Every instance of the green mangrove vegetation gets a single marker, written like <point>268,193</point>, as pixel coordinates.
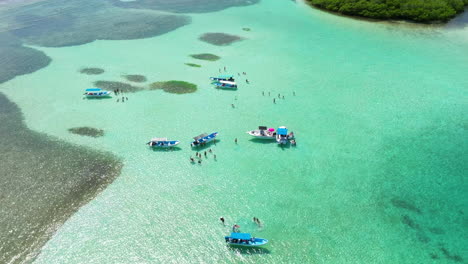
<point>111,86</point>
<point>220,39</point>
<point>205,56</point>
<point>92,71</point>
<point>193,65</point>
<point>176,87</point>
<point>415,10</point>
<point>87,131</point>
<point>135,78</point>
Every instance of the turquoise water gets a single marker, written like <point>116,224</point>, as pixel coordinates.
<point>378,175</point>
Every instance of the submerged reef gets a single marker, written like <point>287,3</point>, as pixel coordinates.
<point>193,65</point>
<point>135,78</point>
<point>87,131</point>
<point>205,56</point>
<point>59,23</point>
<point>91,71</point>
<point>220,39</point>
<point>44,181</point>
<point>176,87</point>
<point>17,59</point>
<point>184,6</point>
<point>111,86</point>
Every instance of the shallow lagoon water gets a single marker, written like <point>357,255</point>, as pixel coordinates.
<point>379,115</point>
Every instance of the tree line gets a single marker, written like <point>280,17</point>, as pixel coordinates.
<point>415,10</point>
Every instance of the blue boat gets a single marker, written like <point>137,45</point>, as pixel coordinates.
<point>223,78</point>
<point>96,92</point>
<point>282,136</point>
<point>245,240</point>
<point>225,84</point>
<point>162,143</point>
<point>202,139</point>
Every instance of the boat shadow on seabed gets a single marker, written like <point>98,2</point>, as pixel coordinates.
<point>166,149</point>
<point>248,251</point>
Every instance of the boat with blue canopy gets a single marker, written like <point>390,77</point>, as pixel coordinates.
<point>96,92</point>
<point>245,240</point>
<point>204,138</point>
<point>162,143</point>
<point>223,78</point>
<point>225,84</point>
<point>282,136</point>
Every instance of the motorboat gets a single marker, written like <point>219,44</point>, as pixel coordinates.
<point>245,240</point>
<point>223,78</point>
<point>204,138</point>
<point>162,143</point>
<point>282,136</point>
<point>96,92</point>
<point>225,84</point>
<point>263,133</point>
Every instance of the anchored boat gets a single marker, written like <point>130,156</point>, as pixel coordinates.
<point>223,78</point>
<point>282,136</point>
<point>225,84</point>
<point>204,138</point>
<point>263,132</point>
<point>245,240</point>
<point>96,92</point>
<point>162,143</point>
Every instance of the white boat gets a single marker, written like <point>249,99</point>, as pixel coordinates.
<point>162,143</point>
<point>223,78</point>
<point>96,92</point>
<point>263,133</point>
<point>245,240</point>
<point>282,136</point>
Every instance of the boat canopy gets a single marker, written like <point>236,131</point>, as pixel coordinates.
<point>226,76</point>
<point>159,139</point>
<point>228,82</point>
<point>93,90</point>
<point>282,131</point>
<point>200,136</point>
<point>241,236</point>
<point>262,127</point>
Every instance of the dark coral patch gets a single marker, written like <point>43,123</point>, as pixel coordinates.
<point>193,65</point>
<point>184,6</point>
<point>44,181</point>
<point>205,56</point>
<point>17,59</point>
<point>405,205</point>
<point>409,222</point>
<point>177,87</point>
<point>135,78</point>
<point>92,71</point>
<point>123,87</point>
<point>87,131</point>
<point>220,39</point>
<point>79,23</point>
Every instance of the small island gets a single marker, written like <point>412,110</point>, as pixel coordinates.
<point>422,11</point>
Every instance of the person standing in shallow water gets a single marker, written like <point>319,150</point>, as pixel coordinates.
<point>222,220</point>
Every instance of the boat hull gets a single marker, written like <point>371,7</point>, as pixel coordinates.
<point>258,135</point>
<point>257,242</point>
